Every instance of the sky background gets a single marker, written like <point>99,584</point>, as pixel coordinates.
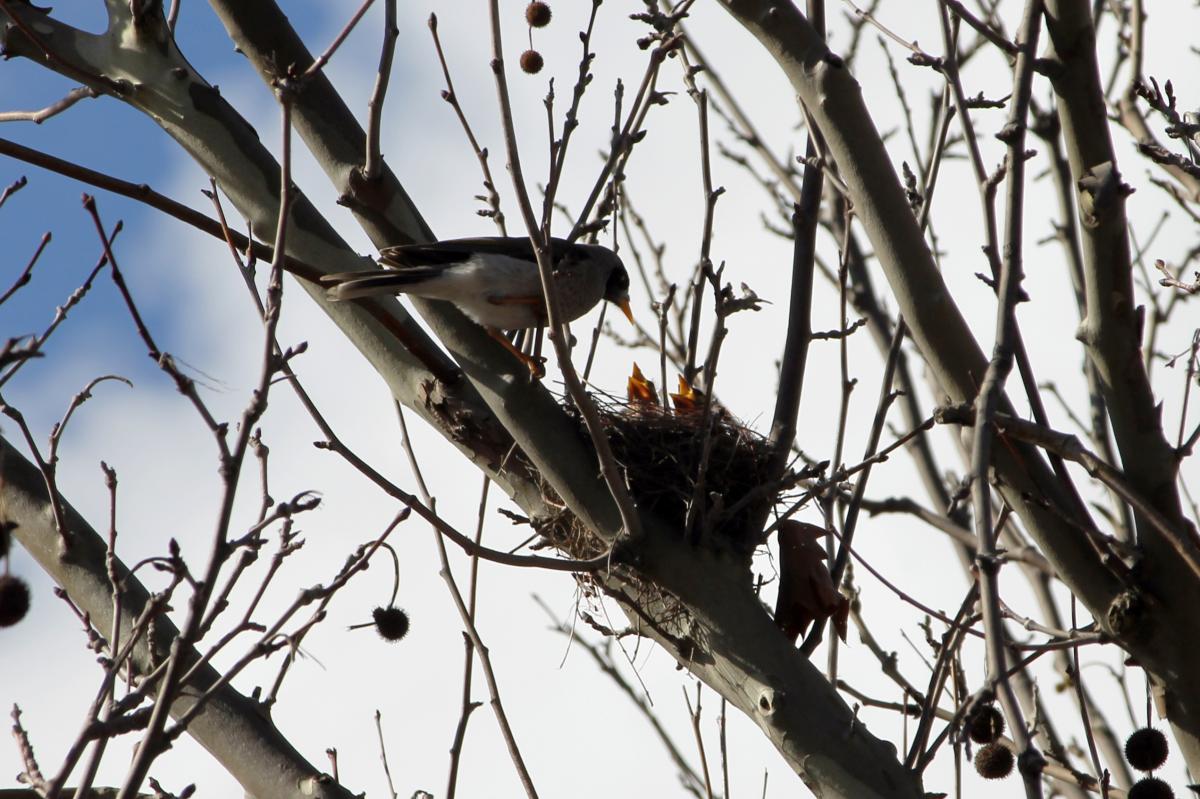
<point>579,735</point>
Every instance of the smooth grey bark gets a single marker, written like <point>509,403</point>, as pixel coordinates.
<point>726,639</point>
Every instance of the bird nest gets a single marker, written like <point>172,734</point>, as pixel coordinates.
<point>661,452</point>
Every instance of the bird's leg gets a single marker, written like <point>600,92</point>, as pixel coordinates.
<point>537,342</point>
<point>520,338</point>
<point>536,370</point>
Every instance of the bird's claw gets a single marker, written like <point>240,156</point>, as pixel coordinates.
<point>537,368</point>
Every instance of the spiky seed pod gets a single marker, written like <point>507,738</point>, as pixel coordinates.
<point>532,62</point>
<point>986,724</point>
<point>6,528</point>
<point>994,762</point>
<point>537,14</point>
<point>1151,788</point>
<point>391,623</point>
<point>1146,749</point>
<point>14,600</point>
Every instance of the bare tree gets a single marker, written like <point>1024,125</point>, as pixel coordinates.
<point>658,503</point>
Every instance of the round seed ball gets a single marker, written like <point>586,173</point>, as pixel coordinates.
<point>994,762</point>
<point>986,724</point>
<point>14,600</point>
<point>537,14</point>
<point>1151,788</point>
<point>532,62</point>
<point>391,623</point>
<point>1146,749</point>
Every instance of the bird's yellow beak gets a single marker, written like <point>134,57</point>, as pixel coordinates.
<point>623,304</point>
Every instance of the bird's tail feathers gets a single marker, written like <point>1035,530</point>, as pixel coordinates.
<point>352,285</point>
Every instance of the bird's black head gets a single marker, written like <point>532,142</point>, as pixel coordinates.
<point>602,261</point>
<point>616,290</point>
<point>617,286</point>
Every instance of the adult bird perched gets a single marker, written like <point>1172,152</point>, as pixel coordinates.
<point>494,281</point>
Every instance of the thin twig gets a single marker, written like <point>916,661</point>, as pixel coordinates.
<point>624,140</point>
<point>485,662</point>
<point>1077,680</point>
<point>982,28</point>
<point>13,188</point>
<point>373,163</point>
<point>491,197</point>
<point>468,705</point>
<point>387,772</point>
<point>694,713</point>
<point>466,613</point>
<point>27,272</point>
<point>144,194</point>
<point>917,755</point>
<point>323,59</point>
<point>693,782</point>
<point>41,115</point>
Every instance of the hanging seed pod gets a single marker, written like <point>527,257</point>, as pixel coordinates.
<point>986,724</point>
<point>14,600</point>
<point>994,762</point>
<point>1150,788</point>
<point>532,62</point>
<point>537,14</point>
<point>391,623</point>
<point>1146,749</point>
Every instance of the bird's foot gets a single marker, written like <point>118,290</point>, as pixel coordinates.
<point>536,366</point>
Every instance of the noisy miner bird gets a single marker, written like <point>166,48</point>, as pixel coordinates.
<point>494,281</point>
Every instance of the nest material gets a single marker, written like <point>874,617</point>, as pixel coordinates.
<point>661,453</point>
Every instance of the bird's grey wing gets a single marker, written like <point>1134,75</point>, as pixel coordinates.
<point>350,285</point>
<point>411,275</point>
<point>453,251</point>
